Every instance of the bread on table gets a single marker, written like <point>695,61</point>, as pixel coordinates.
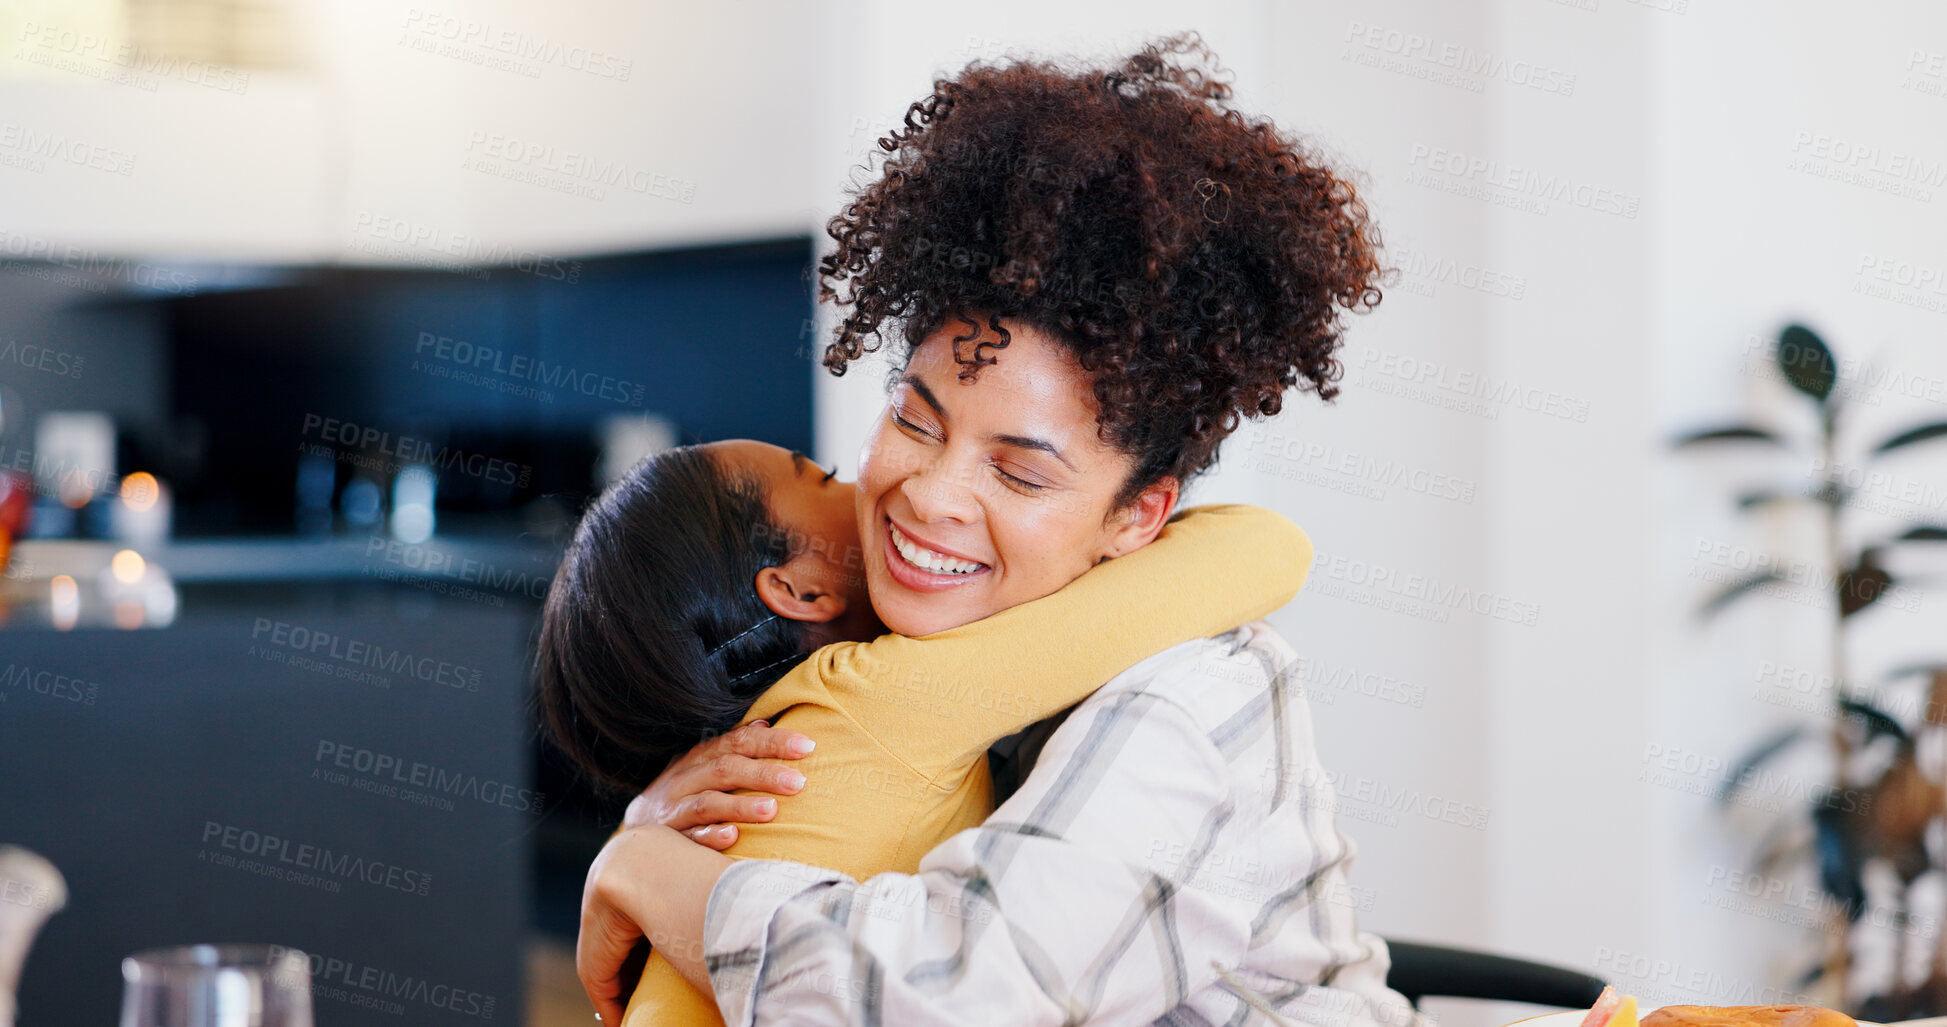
<point>1747,1016</point>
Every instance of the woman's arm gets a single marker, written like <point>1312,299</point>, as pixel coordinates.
<point>1212,568</point>
<point>1024,921</point>
<point>648,882</point>
<point>1151,859</point>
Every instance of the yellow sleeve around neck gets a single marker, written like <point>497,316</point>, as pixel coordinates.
<point>1211,568</point>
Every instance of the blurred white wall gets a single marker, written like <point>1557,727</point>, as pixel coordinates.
<point>416,134</point>
<point>1602,210</point>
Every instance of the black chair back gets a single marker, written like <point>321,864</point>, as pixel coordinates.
<point>1422,970</point>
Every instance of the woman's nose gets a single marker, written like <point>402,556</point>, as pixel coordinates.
<point>941,490</point>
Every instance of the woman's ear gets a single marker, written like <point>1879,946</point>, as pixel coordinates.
<point>792,595</point>
<point>1142,520</point>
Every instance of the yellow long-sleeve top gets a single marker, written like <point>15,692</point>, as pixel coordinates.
<point>903,724</point>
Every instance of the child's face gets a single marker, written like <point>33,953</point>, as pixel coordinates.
<point>816,511</point>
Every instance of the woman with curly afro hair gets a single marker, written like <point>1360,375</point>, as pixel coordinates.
<point>1085,278</point>
<point>1194,261</point>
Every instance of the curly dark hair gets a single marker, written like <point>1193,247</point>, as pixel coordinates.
<point>1193,260</point>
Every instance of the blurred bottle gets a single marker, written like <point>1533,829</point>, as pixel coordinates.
<point>16,493</point>
<point>140,511</point>
<point>16,503</point>
<point>31,890</point>
<point>74,464</point>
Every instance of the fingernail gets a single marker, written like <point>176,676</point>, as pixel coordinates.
<point>801,746</point>
<point>721,830</point>
<point>791,779</point>
<point>763,723</point>
<point>766,805</point>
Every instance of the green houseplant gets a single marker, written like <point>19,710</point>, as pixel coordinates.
<point>1888,810</point>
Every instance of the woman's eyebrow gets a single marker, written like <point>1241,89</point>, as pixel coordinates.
<point>798,460</point>
<point>924,393</point>
<point>1028,442</point>
<point>1018,441</point>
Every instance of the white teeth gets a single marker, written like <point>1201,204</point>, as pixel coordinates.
<point>926,559</point>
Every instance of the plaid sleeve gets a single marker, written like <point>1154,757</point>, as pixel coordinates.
<point>736,926</point>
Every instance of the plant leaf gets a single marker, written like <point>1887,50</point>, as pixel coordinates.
<point>1839,862</point>
<point>1756,758</point>
<point>1913,435</point>
<point>1829,494</point>
<point>1876,721</point>
<point>1863,584</point>
<point>1910,669</point>
<point>1716,603</point>
<point>1753,499</point>
<point>1732,433</point>
<point>1806,362</point>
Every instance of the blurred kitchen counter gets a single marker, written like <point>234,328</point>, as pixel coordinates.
<point>287,558</point>
<point>77,583</point>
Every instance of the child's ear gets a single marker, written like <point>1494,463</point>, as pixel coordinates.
<point>792,595</point>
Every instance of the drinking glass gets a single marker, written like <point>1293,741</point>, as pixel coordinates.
<point>217,986</point>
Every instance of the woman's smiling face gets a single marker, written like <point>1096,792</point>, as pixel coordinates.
<point>977,496</point>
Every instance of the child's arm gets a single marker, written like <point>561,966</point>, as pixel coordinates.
<point>663,998</point>
<point>1212,568</point>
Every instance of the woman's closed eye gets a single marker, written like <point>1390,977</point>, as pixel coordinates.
<point>1030,487</point>
<point>910,427</point>
<point>1014,481</point>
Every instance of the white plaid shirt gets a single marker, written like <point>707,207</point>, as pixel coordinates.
<point>1172,859</point>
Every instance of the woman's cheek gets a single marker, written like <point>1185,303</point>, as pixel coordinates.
<point>869,456</point>
<point>886,459</point>
<point>1026,551</point>
<point>1050,537</point>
